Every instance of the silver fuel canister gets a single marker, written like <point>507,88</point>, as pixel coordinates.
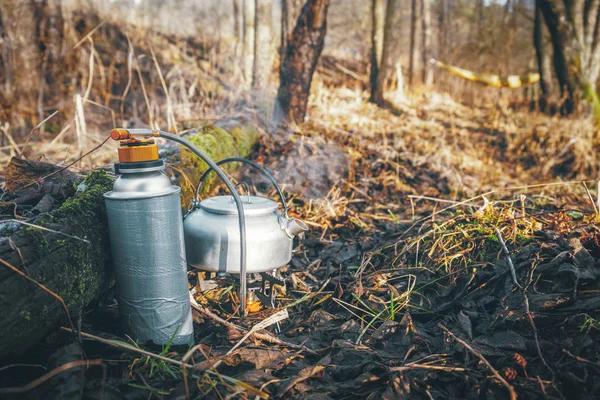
<point>148,252</point>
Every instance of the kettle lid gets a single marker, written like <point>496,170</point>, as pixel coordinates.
<point>253,205</point>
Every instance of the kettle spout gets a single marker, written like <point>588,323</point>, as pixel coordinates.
<point>295,227</point>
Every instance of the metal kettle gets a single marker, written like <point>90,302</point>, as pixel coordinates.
<point>212,238</point>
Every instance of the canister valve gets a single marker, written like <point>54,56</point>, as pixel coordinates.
<point>134,149</point>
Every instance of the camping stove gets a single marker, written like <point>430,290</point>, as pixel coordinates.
<point>213,241</point>
<point>233,234</point>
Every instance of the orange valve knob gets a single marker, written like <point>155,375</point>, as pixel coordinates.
<point>119,134</point>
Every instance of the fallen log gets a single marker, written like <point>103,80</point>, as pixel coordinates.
<point>67,249</point>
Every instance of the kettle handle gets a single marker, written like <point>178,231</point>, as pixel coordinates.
<point>247,162</point>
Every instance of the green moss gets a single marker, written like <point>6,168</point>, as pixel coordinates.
<point>86,214</point>
<point>73,268</point>
<point>217,143</point>
<point>36,237</point>
<point>591,97</point>
<point>25,315</point>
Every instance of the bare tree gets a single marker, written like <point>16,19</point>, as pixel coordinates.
<point>413,36</point>
<point>285,31</point>
<point>426,42</point>
<point>300,60</point>
<point>442,29</point>
<point>574,27</point>
<point>238,28</point>
<point>539,48</point>
<point>262,43</point>
<point>377,33</point>
<point>289,14</point>
<point>386,64</point>
<point>23,61</point>
<point>248,53</point>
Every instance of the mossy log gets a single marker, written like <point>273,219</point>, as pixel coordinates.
<point>218,142</point>
<point>68,249</point>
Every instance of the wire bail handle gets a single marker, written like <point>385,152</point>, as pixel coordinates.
<point>195,203</point>
<point>247,191</point>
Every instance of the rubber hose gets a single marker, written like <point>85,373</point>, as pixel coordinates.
<point>238,203</point>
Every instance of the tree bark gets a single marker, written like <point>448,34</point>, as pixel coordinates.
<point>413,36</point>
<point>285,32</point>
<point>248,53</point>
<point>442,30</point>
<point>377,34</point>
<point>426,43</point>
<point>574,27</point>
<point>238,28</point>
<point>302,53</point>
<point>73,259</point>
<point>262,44</point>
<point>24,66</point>
<point>290,10</point>
<point>539,49</point>
<point>237,21</point>
<point>387,64</point>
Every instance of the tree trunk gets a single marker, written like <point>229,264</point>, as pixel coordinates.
<point>73,259</point>
<point>426,43</point>
<point>300,61</point>
<point>285,32</point>
<point>237,21</point>
<point>413,36</point>
<point>262,44</point>
<point>238,29</point>
<point>442,30</point>
<point>574,27</point>
<point>24,59</point>
<point>248,39</point>
<point>377,33</point>
<point>290,10</point>
<point>508,9</point>
<point>386,64</point>
<point>539,50</point>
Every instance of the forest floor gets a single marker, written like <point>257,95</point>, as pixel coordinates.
<point>453,253</point>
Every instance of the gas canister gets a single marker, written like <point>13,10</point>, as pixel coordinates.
<point>148,250</point>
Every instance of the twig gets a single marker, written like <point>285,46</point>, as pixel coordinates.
<point>535,335</point>
<point>129,76</point>
<point>261,336</point>
<point>590,197</point>
<point>581,359</point>
<point>54,372</point>
<point>513,273</point>
<point>21,151</point>
<point>66,166</point>
<point>425,366</point>
<point>90,33</point>
<point>47,229</point>
<point>44,288</point>
<point>184,370</point>
<point>273,319</point>
<point>509,387</point>
<point>134,349</point>
<point>433,199</point>
<point>21,365</point>
<point>171,122</point>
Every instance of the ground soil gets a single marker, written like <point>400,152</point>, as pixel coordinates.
<point>402,288</point>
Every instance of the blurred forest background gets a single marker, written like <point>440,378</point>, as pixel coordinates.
<point>84,64</point>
